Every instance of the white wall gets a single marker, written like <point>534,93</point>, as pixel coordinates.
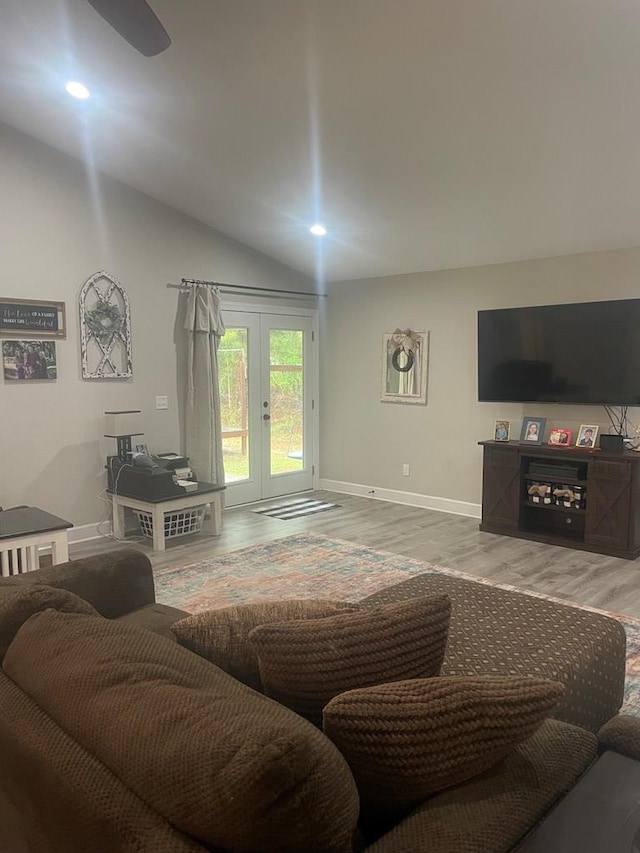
<point>365,442</point>
<point>59,226</point>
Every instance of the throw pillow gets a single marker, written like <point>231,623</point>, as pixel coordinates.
<point>220,762</point>
<point>20,601</point>
<point>221,636</point>
<point>305,664</point>
<point>407,740</point>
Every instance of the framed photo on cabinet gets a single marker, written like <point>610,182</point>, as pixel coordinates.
<point>532,430</point>
<point>502,431</point>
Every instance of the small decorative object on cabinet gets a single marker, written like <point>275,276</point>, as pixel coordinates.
<point>533,430</point>
<point>502,431</point>
<point>405,356</point>
<point>587,435</point>
<point>105,329</point>
<point>594,503</point>
<point>559,436</point>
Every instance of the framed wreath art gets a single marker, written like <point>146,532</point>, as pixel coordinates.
<point>104,321</point>
<point>105,329</point>
<point>404,366</point>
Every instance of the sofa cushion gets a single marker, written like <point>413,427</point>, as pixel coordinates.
<point>56,797</point>
<point>220,762</point>
<point>408,739</point>
<point>18,602</point>
<point>304,664</point>
<point>622,734</point>
<point>222,636</point>
<point>493,811</point>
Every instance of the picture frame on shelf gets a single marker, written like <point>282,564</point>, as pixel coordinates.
<point>587,435</point>
<point>532,430</point>
<point>502,431</point>
<point>560,437</point>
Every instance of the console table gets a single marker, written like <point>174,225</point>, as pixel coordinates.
<point>608,522</point>
<point>206,493</point>
<point>23,531</point>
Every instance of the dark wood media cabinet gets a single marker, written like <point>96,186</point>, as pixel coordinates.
<point>608,522</point>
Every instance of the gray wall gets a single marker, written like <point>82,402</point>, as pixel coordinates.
<point>365,442</point>
<point>59,226</point>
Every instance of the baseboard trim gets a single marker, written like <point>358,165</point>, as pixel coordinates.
<point>85,532</point>
<point>407,498</point>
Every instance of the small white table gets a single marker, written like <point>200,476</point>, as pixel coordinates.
<point>207,493</point>
<point>23,531</point>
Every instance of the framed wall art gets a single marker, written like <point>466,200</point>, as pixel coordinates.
<point>405,356</point>
<point>36,317</point>
<point>29,360</point>
<point>105,329</point>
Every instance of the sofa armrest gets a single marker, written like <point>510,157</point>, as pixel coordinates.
<point>621,734</point>
<point>115,582</point>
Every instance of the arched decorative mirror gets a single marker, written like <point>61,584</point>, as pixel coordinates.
<point>404,366</point>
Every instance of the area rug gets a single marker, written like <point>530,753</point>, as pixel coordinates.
<point>300,508</point>
<point>311,566</point>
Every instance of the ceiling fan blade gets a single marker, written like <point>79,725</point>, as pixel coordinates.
<point>136,22</point>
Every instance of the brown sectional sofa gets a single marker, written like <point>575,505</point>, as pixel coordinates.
<point>116,739</point>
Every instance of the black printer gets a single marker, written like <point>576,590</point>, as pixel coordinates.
<point>144,477</point>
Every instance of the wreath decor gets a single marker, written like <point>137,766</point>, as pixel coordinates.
<point>104,321</point>
<point>395,360</point>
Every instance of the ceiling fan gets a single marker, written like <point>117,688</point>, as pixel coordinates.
<point>136,22</point>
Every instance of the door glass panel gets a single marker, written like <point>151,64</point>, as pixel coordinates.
<point>287,396</point>
<point>234,404</point>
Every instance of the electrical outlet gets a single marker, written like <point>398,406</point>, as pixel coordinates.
<point>405,470</point>
<point>162,402</point>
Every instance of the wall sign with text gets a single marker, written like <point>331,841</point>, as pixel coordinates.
<point>20,316</point>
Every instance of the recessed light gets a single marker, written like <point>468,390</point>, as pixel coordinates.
<point>77,90</point>
<point>318,230</point>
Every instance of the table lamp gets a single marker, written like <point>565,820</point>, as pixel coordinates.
<point>122,426</point>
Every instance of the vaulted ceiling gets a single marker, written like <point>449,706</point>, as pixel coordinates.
<point>424,134</point>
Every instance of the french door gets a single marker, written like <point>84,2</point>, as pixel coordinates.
<point>266,366</point>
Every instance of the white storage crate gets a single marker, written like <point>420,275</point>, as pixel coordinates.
<point>177,523</point>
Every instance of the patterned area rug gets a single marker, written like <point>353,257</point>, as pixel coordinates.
<point>311,566</point>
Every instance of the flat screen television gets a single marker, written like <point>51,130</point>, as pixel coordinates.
<point>585,352</point>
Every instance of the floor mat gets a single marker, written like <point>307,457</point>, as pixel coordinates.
<point>298,508</point>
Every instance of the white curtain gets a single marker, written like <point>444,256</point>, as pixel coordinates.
<point>203,431</point>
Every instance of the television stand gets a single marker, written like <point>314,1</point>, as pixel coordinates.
<point>604,519</point>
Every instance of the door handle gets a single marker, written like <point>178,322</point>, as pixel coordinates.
<point>266,417</point>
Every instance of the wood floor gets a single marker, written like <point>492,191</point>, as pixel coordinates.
<point>452,541</point>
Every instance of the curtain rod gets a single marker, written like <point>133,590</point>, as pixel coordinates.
<point>189,282</point>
